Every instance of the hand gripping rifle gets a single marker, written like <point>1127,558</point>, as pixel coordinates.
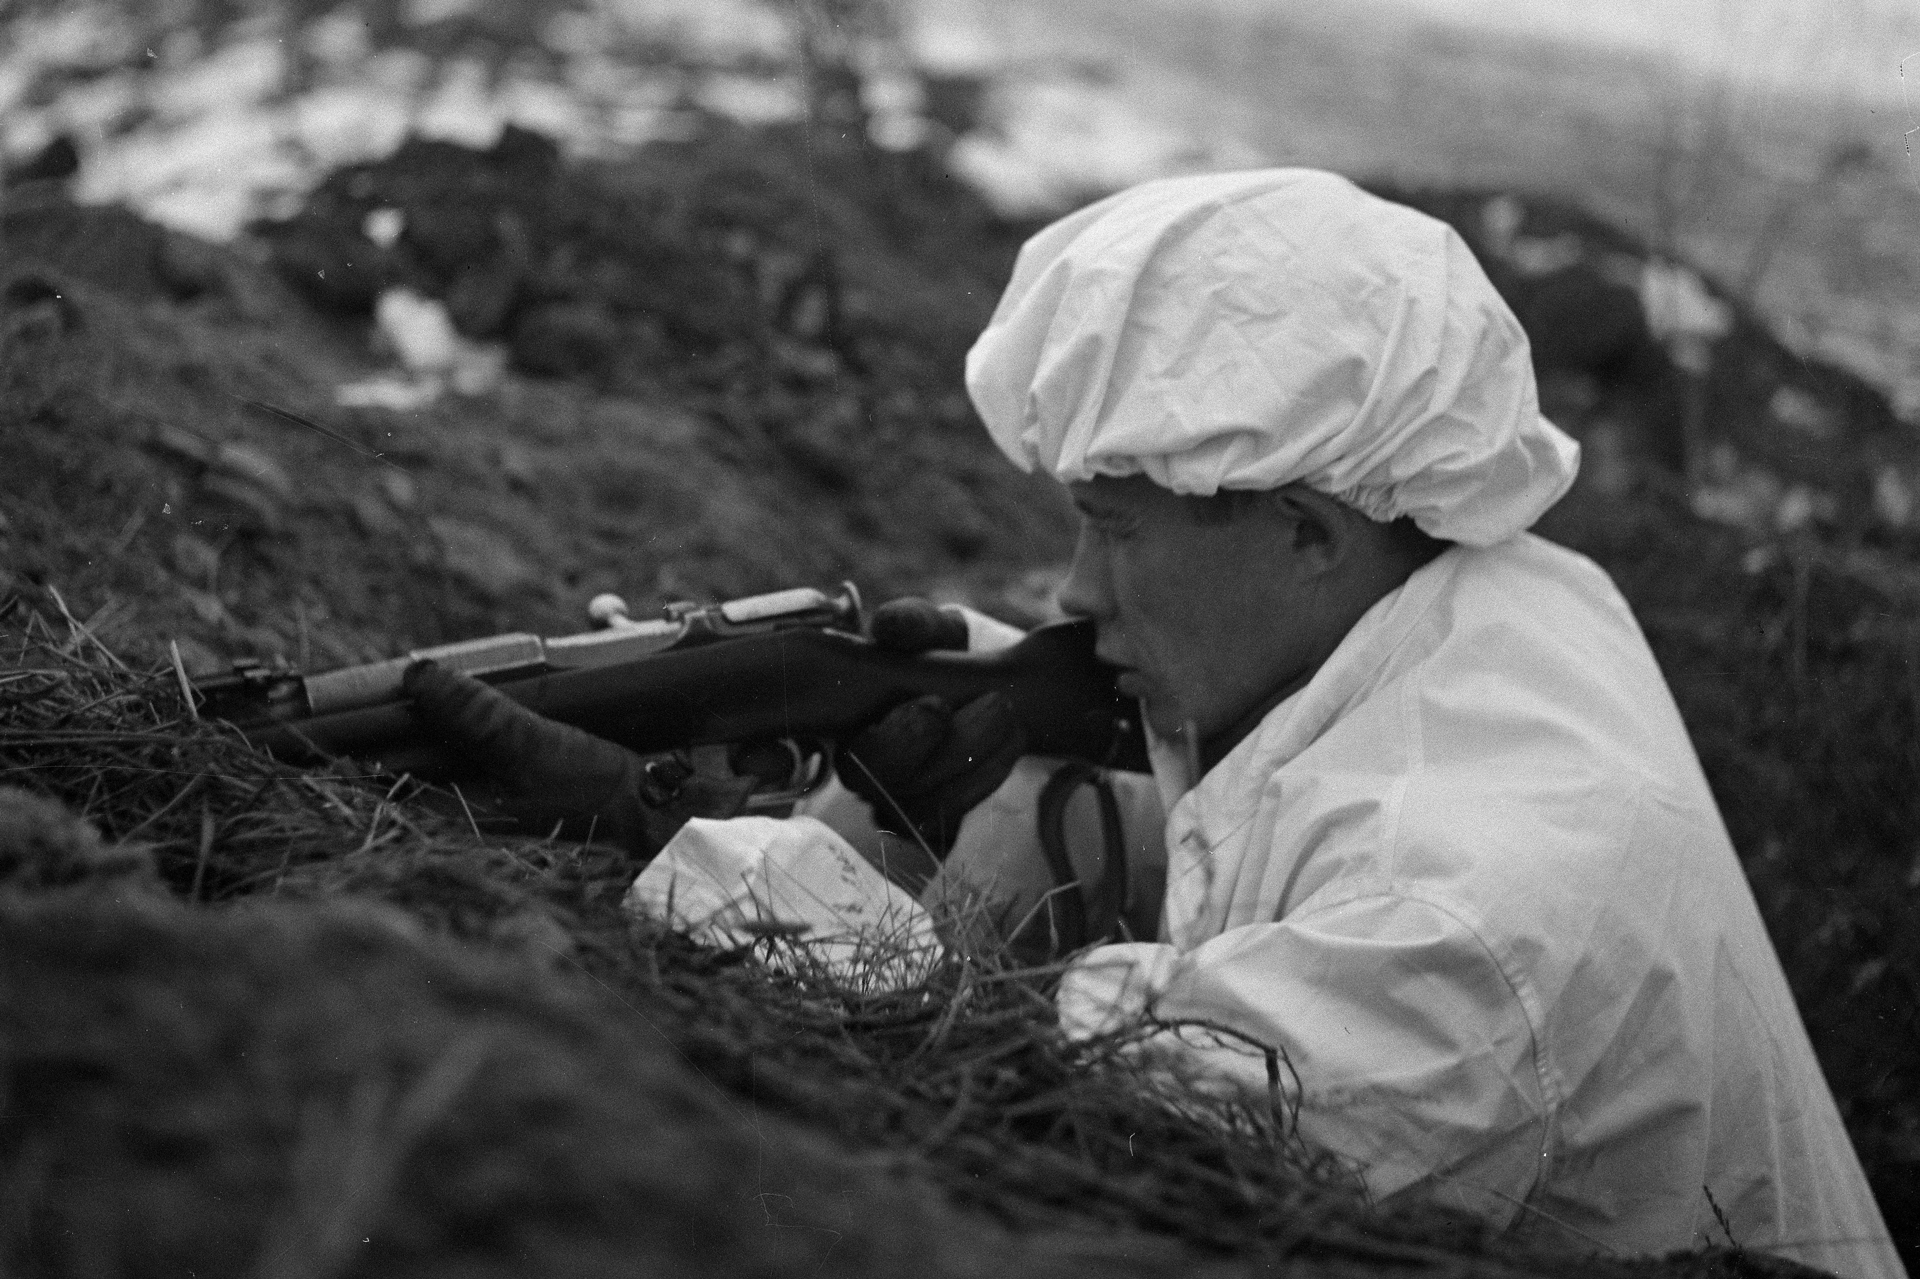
<point>774,680</point>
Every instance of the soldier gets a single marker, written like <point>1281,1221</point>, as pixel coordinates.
<point>1433,827</point>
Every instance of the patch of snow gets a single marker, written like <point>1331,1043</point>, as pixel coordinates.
<point>1050,143</point>
<point>235,75</point>
<point>205,176</point>
<point>418,331</point>
<point>460,108</point>
<point>402,70</point>
<point>1801,411</point>
<point>754,99</point>
<point>211,211</point>
<point>91,110</point>
<point>547,108</point>
<point>424,13</point>
<point>342,124</point>
<point>1679,305</point>
<point>723,30</point>
<point>383,226</point>
<point>952,44</point>
<point>433,356</point>
<point>337,38</point>
<point>397,393</point>
<point>1894,499</point>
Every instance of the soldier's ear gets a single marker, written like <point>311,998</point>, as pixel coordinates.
<point>1322,531</point>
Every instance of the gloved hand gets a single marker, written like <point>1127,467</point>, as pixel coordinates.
<point>924,764</point>
<point>546,774</point>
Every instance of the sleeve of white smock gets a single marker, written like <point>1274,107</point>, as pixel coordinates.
<point>1408,1050</point>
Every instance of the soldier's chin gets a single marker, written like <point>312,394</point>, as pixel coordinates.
<point>1166,719</point>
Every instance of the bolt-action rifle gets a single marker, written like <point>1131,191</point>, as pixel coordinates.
<point>774,679</point>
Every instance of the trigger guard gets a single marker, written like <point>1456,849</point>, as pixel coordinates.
<point>810,768</point>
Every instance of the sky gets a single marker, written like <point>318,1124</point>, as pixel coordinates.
<point>1853,44</point>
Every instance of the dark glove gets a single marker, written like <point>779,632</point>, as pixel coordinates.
<point>914,625</point>
<point>546,774</point>
<point>924,765</point>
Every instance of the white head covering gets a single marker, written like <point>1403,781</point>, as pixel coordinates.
<point>1249,330</point>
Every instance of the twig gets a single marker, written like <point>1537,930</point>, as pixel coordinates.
<point>80,629</point>
<point>186,685</point>
<point>472,824</point>
<point>1719,1215</point>
<point>128,531</point>
<point>206,848</point>
<point>288,415</point>
<point>192,785</point>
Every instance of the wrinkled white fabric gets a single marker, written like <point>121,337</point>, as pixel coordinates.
<point>794,884</point>
<point>1249,330</point>
<point>1471,880</point>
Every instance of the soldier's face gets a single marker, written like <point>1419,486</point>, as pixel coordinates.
<point>1208,617</point>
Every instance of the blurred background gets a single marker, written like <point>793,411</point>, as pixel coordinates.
<point>1766,141</point>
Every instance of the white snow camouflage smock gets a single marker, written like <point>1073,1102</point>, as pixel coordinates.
<point>1472,881</point>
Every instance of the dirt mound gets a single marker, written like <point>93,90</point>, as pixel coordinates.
<point>321,1091</point>
<point>815,299</point>
<point>784,410</point>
